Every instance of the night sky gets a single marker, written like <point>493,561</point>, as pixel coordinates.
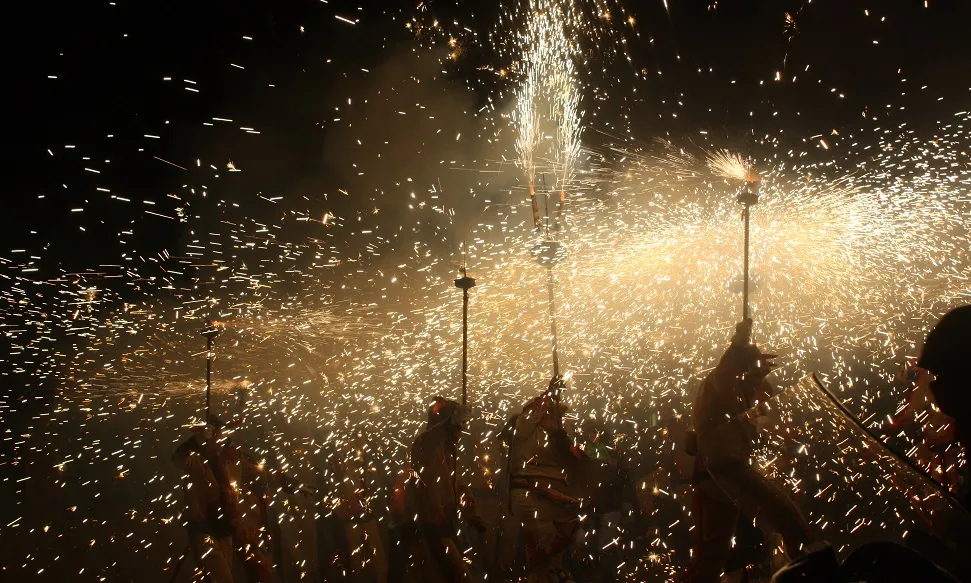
<point>109,60</point>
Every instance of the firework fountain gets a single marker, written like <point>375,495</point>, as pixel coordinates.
<point>548,101</point>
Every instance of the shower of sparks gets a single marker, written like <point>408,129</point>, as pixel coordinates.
<point>337,330</point>
<point>547,102</point>
<point>727,164</point>
<point>791,27</point>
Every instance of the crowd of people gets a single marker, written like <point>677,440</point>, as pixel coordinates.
<point>545,506</point>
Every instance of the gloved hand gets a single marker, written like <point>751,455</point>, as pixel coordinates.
<point>743,333</point>
<point>750,363</point>
<point>762,364</point>
<point>550,395</point>
<point>478,523</point>
<point>747,359</point>
<point>196,442</point>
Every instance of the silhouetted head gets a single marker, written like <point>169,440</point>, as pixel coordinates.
<point>448,414</point>
<point>947,354</point>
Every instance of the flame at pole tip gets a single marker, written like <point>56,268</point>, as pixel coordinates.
<point>728,164</point>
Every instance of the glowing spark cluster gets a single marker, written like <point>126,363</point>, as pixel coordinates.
<point>547,102</point>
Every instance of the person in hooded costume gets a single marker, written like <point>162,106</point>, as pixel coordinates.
<point>438,499</point>
<point>607,508</point>
<point>402,528</point>
<point>725,481</point>
<point>541,497</point>
<point>944,370</point>
<point>206,514</point>
<point>363,554</point>
<point>947,356</point>
<point>225,493</point>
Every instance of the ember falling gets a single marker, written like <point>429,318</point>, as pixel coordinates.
<point>314,184</point>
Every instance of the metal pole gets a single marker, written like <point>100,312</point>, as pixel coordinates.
<point>465,283</point>
<point>210,332</point>
<point>465,346</point>
<point>748,196</point>
<point>556,360</point>
<point>548,255</point>
<point>873,436</point>
<point>745,283</point>
<point>208,376</point>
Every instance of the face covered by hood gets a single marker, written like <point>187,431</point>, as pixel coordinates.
<point>947,354</point>
<point>215,433</point>
<point>451,415</point>
<point>746,360</point>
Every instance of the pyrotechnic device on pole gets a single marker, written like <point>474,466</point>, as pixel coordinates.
<point>210,332</point>
<point>465,283</point>
<point>748,196</point>
<point>549,253</point>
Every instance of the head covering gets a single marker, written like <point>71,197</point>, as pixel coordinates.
<point>216,425</point>
<point>443,410</point>
<point>742,354</point>
<point>947,354</point>
<point>743,332</point>
<point>216,421</point>
<point>947,350</point>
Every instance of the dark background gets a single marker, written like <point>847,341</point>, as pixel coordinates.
<point>110,60</point>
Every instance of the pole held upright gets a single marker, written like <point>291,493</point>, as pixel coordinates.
<point>210,332</point>
<point>549,253</point>
<point>747,213</point>
<point>748,196</point>
<point>556,359</point>
<point>465,283</point>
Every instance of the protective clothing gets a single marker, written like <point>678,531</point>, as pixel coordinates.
<point>541,497</point>
<point>363,553</point>
<point>436,496</point>
<point>246,499</point>
<point>214,555</point>
<point>947,354</point>
<point>725,482</point>
<point>402,530</point>
<point>489,503</point>
<point>225,495</point>
<point>207,521</point>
